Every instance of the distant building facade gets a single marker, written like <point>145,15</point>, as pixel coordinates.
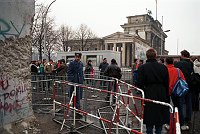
<point>148,29</point>
<point>140,33</point>
<point>131,47</point>
<point>84,45</point>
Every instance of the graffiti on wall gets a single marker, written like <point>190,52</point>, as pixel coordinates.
<point>5,29</point>
<point>14,103</point>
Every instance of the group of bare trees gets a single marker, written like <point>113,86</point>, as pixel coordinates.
<point>47,39</point>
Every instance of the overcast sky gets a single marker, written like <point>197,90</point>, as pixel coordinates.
<point>104,17</point>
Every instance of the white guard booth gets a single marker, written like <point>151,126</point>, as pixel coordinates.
<point>95,56</point>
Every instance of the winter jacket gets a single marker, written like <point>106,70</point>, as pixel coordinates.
<point>113,70</point>
<point>89,70</point>
<point>49,68</point>
<point>75,72</point>
<point>153,79</point>
<point>103,66</point>
<point>75,75</point>
<point>34,69</point>
<point>173,76</point>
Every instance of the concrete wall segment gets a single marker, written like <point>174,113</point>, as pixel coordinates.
<point>16,18</point>
<point>15,83</point>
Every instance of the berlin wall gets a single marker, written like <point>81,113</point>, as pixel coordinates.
<point>15,54</point>
<point>16,17</point>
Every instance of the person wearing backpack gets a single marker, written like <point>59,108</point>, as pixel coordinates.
<point>177,101</point>
<point>186,66</point>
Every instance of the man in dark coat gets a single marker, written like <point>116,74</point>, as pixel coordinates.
<point>186,66</point>
<point>103,66</point>
<point>154,80</point>
<point>75,75</point>
<point>113,70</point>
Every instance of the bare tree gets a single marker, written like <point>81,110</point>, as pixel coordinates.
<point>43,25</point>
<point>51,42</point>
<point>84,34</point>
<point>65,34</point>
<point>38,28</point>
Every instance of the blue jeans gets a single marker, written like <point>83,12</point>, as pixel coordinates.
<point>178,102</point>
<point>150,129</point>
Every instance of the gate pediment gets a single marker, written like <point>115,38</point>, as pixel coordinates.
<point>118,35</point>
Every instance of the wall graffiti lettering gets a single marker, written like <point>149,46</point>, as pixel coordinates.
<point>5,29</point>
<point>14,103</point>
<point>4,84</point>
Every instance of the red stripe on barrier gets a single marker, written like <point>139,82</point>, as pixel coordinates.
<point>84,86</point>
<point>142,110</point>
<point>176,120</point>
<point>74,101</point>
<point>104,91</point>
<point>64,105</point>
<point>136,132</point>
<point>105,120</point>
<point>171,124</point>
<point>176,117</point>
<point>117,117</point>
<point>128,100</point>
<point>67,110</point>
<point>123,100</point>
<point>136,110</point>
<point>83,112</point>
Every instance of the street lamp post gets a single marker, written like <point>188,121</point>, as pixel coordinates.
<point>156,9</point>
<point>161,45</point>
<point>45,28</point>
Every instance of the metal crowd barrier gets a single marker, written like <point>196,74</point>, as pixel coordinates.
<point>126,74</point>
<point>121,100</point>
<point>51,95</point>
<point>42,92</point>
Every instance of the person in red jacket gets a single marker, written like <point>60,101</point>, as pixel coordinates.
<point>177,101</point>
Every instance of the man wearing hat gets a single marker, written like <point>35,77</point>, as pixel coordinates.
<point>75,75</point>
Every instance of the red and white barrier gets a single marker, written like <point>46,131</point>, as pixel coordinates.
<point>119,100</point>
<point>177,128</point>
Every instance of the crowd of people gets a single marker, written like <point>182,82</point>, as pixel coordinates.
<point>157,78</point>
<point>48,68</point>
